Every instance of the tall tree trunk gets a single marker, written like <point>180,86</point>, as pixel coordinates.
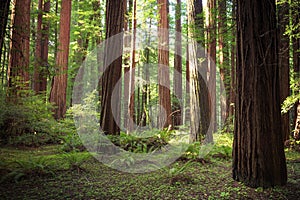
<point>146,89</point>
<point>18,70</point>
<point>41,49</point>
<point>112,74</point>
<point>223,61</point>
<point>233,63</point>
<point>258,153</point>
<point>199,110</point>
<point>126,57</point>
<point>211,51</point>
<point>131,116</point>
<point>165,118</point>
<point>178,68</point>
<point>284,65</point>
<point>59,82</point>
<point>4,11</point>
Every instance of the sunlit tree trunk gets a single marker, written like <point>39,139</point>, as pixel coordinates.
<point>165,118</point>
<point>18,70</point>
<point>41,49</point>
<point>110,122</point>
<point>223,61</point>
<point>130,110</point>
<point>59,82</point>
<point>199,110</point>
<point>258,152</point>
<point>211,51</point>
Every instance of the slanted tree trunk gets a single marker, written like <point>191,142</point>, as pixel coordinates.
<point>4,11</point>
<point>211,51</point>
<point>284,65</point>
<point>41,49</point>
<point>58,93</point>
<point>178,68</point>
<point>165,118</point>
<point>258,152</point>
<point>112,74</point>
<point>18,69</point>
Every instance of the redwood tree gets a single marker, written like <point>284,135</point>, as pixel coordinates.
<point>165,118</point>
<point>258,153</point>
<point>59,82</point>
<point>41,49</point>
<point>199,100</point>
<point>211,51</point>
<point>112,73</point>
<point>178,67</point>
<point>284,65</point>
<point>18,69</point>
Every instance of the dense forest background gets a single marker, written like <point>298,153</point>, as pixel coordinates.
<point>154,69</point>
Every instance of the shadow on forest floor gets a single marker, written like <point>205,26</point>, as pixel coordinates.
<point>47,173</point>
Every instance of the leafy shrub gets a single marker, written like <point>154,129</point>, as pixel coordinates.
<point>28,121</point>
<point>141,145</point>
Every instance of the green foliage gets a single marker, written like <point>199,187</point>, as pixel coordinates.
<point>221,148</point>
<point>75,160</point>
<point>140,144</point>
<point>27,168</point>
<point>28,121</point>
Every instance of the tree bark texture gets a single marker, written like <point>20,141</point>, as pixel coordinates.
<point>18,70</point>
<point>112,74</point>
<point>284,65</point>
<point>223,61</point>
<point>211,51</point>
<point>258,152</point>
<point>41,49</point>
<point>130,109</point>
<point>58,91</point>
<point>165,118</point>
<point>177,68</point>
<point>199,99</point>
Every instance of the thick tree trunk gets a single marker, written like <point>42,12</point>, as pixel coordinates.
<point>211,51</point>
<point>18,70</point>
<point>199,103</point>
<point>110,113</point>
<point>178,68</point>
<point>284,65</point>
<point>165,118</point>
<point>41,49</point>
<point>4,11</point>
<point>58,93</point>
<point>258,154</point>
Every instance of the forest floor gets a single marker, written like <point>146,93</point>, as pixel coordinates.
<point>47,173</point>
